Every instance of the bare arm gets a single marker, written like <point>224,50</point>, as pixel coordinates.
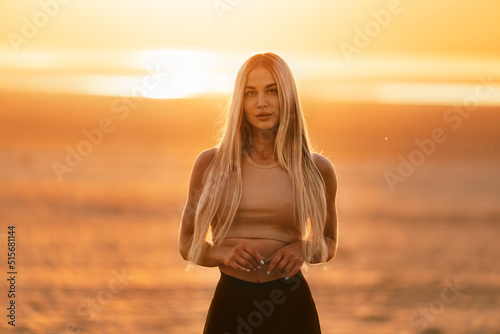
<point>195,188</point>
<point>331,228</point>
<point>242,257</point>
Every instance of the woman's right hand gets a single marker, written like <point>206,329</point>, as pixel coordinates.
<point>242,257</point>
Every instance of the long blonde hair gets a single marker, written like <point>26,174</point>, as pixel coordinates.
<point>294,156</point>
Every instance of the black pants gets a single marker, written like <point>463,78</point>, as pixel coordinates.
<point>279,306</point>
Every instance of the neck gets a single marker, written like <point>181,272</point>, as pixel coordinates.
<point>262,147</point>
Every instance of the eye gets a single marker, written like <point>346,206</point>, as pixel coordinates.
<point>250,93</point>
<point>272,91</point>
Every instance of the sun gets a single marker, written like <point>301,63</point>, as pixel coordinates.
<point>190,72</point>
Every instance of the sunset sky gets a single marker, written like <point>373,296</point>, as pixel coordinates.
<point>365,39</point>
<point>425,26</point>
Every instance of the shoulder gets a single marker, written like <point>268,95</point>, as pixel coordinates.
<point>206,156</point>
<point>323,164</point>
<point>325,167</point>
<point>203,160</point>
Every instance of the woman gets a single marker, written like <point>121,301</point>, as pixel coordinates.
<point>261,204</point>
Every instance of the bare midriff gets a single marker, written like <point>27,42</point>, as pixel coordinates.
<point>266,248</point>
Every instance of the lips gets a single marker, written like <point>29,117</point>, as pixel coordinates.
<point>263,114</point>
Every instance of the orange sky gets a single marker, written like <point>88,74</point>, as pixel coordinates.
<point>438,49</point>
<point>468,28</point>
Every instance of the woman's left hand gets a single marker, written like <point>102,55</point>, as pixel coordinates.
<point>287,260</point>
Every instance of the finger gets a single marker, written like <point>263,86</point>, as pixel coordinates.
<point>240,268</point>
<point>292,273</point>
<point>243,262</point>
<point>290,266</point>
<point>280,267</point>
<point>238,264</point>
<point>257,259</point>
<point>275,262</point>
<point>251,259</point>
<point>246,259</point>
<point>269,259</point>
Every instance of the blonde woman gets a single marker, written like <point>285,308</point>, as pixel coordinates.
<point>260,205</point>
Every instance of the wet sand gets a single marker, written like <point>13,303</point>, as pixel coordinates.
<point>97,252</point>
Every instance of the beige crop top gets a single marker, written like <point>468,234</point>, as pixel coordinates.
<point>265,209</point>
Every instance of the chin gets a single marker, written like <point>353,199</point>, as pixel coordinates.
<point>265,126</point>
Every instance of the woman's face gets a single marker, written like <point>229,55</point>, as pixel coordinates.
<point>261,103</point>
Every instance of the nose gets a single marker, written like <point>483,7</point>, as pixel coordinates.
<point>262,102</point>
